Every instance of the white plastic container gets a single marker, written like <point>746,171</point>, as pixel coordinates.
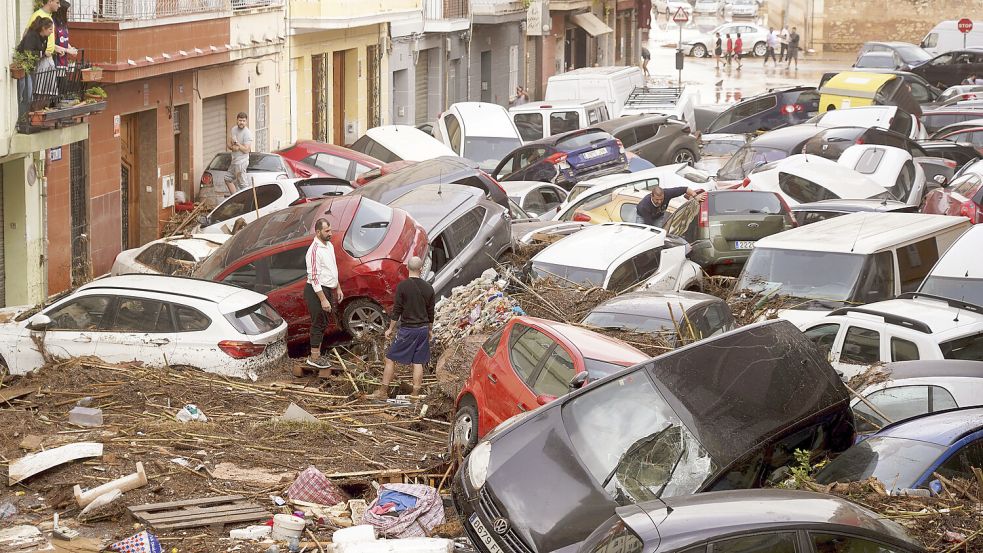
<point>353,534</point>
<point>405,545</point>
<point>287,526</point>
<point>256,532</point>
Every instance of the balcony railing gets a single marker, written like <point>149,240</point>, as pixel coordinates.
<point>143,10</point>
<point>445,9</point>
<point>55,98</point>
<point>496,7</point>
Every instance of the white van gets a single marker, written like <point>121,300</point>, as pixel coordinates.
<point>959,274</point>
<point>479,131</point>
<point>537,120</point>
<point>853,259</point>
<point>611,84</point>
<point>945,37</point>
<point>390,143</point>
<point>679,103</point>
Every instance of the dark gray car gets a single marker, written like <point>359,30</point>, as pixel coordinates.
<point>662,313</point>
<point>722,413</point>
<point>656,138</point>
<point>468,232</point>
<point>773,521</point>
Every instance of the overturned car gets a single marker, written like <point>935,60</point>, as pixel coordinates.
<point>724,413</point>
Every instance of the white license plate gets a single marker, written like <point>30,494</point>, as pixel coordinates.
<point>743,244</point>
<point>484,535</point>
<point>594,153</point>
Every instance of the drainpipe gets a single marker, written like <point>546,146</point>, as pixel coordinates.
<point>43,183</point>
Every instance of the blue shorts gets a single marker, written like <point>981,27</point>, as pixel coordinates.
<point>411,346</point>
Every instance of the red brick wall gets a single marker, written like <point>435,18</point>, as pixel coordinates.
<point>105,43</point>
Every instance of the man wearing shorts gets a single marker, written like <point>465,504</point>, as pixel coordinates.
<point>240,144</point>
<point>413,309</point>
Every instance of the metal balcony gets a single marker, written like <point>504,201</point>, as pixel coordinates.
<point>55,98</point>
<point>445,9</point>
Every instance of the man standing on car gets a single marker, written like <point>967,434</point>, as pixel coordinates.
<point>240,143</point>
<point>652,209</point>
<point>413,308</point>
<point>322,293</point>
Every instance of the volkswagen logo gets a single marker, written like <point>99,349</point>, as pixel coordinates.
<point>500,526</point>
<point>752,225</point>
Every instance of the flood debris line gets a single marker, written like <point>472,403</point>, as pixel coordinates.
<point>477,307</point>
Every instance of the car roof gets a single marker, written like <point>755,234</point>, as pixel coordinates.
<point>936,314</point>
<point>942,428</point>
<point>655,304</point>
<point>595,71</point>
<point>557,138</point>
<point>836,177</point>
<point>485,119</point>
<point>408,142</point>
<point>591,345</point>
<point>863,204</point>
<point>229,298</point>
<point>340,151</point>
<point>962,259</point>
<point>438,169</point>
<point>613,125</point>
<point>607,243</point>
<point>786,136</point>
<point>942,368</point>
<point>889,43</point>
<point>861,233</point>
<point>431,204</point>
<point>845,117</point>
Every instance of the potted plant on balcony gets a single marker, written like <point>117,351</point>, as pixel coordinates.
<point>96,93</point>
<point>91,74</point>
<point>22,64</point>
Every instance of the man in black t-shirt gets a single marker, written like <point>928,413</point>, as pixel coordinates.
<point>413,309</point>
<point>652,209</point>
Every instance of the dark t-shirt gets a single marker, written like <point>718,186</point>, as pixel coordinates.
<point>33,42</point>
<point>649,212</point>
<point>414,303</point>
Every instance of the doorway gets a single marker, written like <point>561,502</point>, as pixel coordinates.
<point>319,97</point>
<point>338,98</point>
<point>129,181</point>
<point>486,75</point>
<point>79,210</point>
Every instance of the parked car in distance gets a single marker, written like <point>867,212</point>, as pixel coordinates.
<point>444,169</point>
<point>723,229</point>
<point>676,425</point>
<point>252,203</point>
<point>372,243</point>
<point>749,520</point>
<point>963,197</point>
<point>909,55</point>
<point>262,168</point>
<point>951,68</point>
<point>946,36</point>
<point>538,199</point>
<point>335,161</point>
<point>914,388</point>
<point>804,178</point>
<point>716,149</point>
<point>527,363</point>
<point>468,233</point>
<point>479,131</point>
<point>813,212</point>
<point>538,120</point>
<point>390,143</point>
<point>948,443</point>
<point>663,314</point>
<point>973,123</point>
<point>769,147</point>
<point>158,320</point>
<point>657,138</point>
<point>878,60</point>
<point>612,84</point>
<point>771,110</point>
<point>754,38</point>
<point>708,7</point>
<point>173,255</point>
<point>669,7</point>
<point>744,8</point>
<point>958,274</point>
<point>619,257</point>
<point>565,159</point>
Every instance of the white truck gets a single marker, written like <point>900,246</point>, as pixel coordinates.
<point>676,102</point>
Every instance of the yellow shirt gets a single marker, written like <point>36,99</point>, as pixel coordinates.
<point>51,38</point>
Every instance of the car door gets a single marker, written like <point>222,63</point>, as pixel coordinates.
<point>861,347</point>
<point>937,69</point>
<point>76,326</point>
<point>470,256</point>
<point>528,348</point>
<point>282,276</point>
<point>141,329</point>
<point>450,132</point>
<point>831,542</point>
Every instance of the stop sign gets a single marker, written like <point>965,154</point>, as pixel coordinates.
<point>964,25</point>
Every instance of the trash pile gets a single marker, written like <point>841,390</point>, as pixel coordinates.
<point>480,306</point>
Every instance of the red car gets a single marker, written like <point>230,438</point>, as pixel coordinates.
<point>334,161</point>
<point>372,244</point>
<point>964,196</point>
<point>528,363</point>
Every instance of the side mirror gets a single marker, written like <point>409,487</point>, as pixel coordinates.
<point>543,399</point>
<point>39,322</point>
<point>203,220</point>
<point>941,180</point>
<point>578,381</point>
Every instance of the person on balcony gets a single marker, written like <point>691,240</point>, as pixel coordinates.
<point>34,41</point>
<point>47,9</point>
<point>63,48</point>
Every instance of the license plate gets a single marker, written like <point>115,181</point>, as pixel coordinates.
<point>743,244</point>
<point>484,535</point>
<point>594,153</point>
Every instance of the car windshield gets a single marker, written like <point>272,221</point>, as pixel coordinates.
<point>747,158</point>
<point>368,228</point>
<point>823,276</point>
<point>488,151</point>
<point>744,203</point>
<point>969,290</point>
<point>568,274</point>
<point>912,53</point>
<point>896,462</point>
<point>633,444</point>
<point>876,60</point>
<point>627,321</point>
<point>721,147</point>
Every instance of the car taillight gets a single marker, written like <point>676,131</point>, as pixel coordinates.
<point>859,140</point>
<point>792,108</point>
<point>241,350</point>
<point>972,212</point>
<point>787,211</point>
<point>492,179</point>
<point>704,213</point>
<point>557,158</point>
<point>206,179</point>
<point>745,182</point>
<point>300,201</point>
<point>950,163</point>
<point>581,217</point>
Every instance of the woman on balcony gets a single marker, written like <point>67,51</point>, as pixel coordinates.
<point>35,41</point>
<point>62,48</point>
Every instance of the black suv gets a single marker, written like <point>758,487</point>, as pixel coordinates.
<point>771,110</point>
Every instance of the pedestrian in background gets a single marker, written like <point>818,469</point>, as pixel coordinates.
<point>322,294</point>
<point>240,143</point>
<point>646,57</point>
<point>793,49</point>
<point>783,38</point>
<point>770,44</point>
<point>730,49</point>
<point>738,49</point>
<point>413,309</point>
<point>718,49</point>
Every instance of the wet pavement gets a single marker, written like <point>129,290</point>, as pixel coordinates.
<point>727,85</point>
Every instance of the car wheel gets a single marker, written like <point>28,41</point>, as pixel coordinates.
<point>464,434</point>
<point>760,49</point>
<point>363,315</point>
<point>683,155</point>
<point>699,51</point>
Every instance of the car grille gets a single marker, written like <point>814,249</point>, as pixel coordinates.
<point>490,512</point>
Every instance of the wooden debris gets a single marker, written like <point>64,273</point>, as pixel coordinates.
<point>31,442</point>
<point>33,463</point>
<point>8,394</point>
<point>192,513</point>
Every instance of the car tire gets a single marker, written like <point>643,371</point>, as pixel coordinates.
<point>699,51</point>
<point>363,315</point>
<point>464,432</point>
<point>684,155</point>
<point>760,49</point>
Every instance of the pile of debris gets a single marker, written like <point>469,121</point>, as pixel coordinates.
<point>480,306</point>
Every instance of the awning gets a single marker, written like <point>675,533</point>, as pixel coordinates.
<point>590,23</point>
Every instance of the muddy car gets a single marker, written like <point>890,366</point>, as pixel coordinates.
<point>724,413</point>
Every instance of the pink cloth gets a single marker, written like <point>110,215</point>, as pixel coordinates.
<point>313,486</point>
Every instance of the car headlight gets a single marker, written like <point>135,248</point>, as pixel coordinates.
<point>478,464</point>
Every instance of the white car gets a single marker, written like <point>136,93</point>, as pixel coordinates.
<point>914,388</point>
<point>391,143</point>
<point>805,178</point>
<point>252,203</point>
<point>884,117</point>
<point>262,168</point>
<point>169,256</point>
<point>744,8</point>
<point>892,168</point>
<point>669,7</point>
<point>909,328</point>
<point>708,7</point>
<point>619,257</point>
<point>753,38</point>
<point>958,274</point>
<point>154,319</point>
<point>479,131</point>
<point>538,199</point>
